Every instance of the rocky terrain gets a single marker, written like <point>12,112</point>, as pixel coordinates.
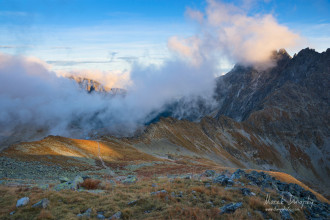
<point>64,178</point>
<point>261,153</point>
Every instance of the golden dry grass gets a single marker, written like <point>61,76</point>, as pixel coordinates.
<point>55,149</point>
<point>90,184</point>
<point>192,205</point>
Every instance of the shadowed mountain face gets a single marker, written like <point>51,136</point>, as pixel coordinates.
<point>246,90</point>
<point>277,119</point>
<point>288,106</point>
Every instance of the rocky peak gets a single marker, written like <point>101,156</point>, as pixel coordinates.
<point>307,51</point>
<point>280,55</point>
<point>90,85</point>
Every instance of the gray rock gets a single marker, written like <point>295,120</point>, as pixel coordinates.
<point>247,192</point>
<point>117,215</point>
<point>64,179</point>
<point>209,173</point>
<point>41,204</point>
<point>285,215</point>
<point>112,182</point>
<point>238,174</point>
<point>100,216</point>
<point>186,176</point>
<point>75,183</point>
<point>286,195</point>
<point>132,202</point>
<point>158,192</point>
<point>86,177</point>
<point>177,195</point>
<point>223,180</point>
<point>22,201</point>
<point>87,213</point>
<point>230,208</point>
<point>130,179</point>
<point>62,186</point>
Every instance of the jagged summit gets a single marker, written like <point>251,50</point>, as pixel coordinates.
<point>92,85</point>
<point>279,55</point>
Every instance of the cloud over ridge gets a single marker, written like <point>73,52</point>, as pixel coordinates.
<point>229,31</point>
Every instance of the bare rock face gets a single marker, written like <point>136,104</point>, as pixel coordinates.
<point>287,108</point>
<point>275,119</point>
<point>22,201</point>
<point>94,86</point>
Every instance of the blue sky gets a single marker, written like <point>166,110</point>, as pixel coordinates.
<point>110,34</point>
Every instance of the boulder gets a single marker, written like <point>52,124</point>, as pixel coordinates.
<point>133,202</point>
<point>223,180</point>
<point>230,208</point>
<point>209,173</point>
<point>117,215</point>
<point>87,214</point>
<point>237,174</point>
<point>247,192</point>
<point>158,192</point>
<point>22,201</point>
<point>64,179</point>
<point>75,183</point>
<point>130,179</point>
<point>112,182</point>
<point>62,186</point>
<point>180,194</point>
<point>41,204</point>
<point>100,216</point>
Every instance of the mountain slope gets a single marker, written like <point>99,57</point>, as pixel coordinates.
<point>274,119</point>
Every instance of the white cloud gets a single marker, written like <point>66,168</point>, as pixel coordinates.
<point>228,31</point>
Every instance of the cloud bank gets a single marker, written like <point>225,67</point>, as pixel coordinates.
<point>36,99</point>
<point>226,30</point>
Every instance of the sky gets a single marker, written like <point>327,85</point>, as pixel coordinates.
<point>110,35</point>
